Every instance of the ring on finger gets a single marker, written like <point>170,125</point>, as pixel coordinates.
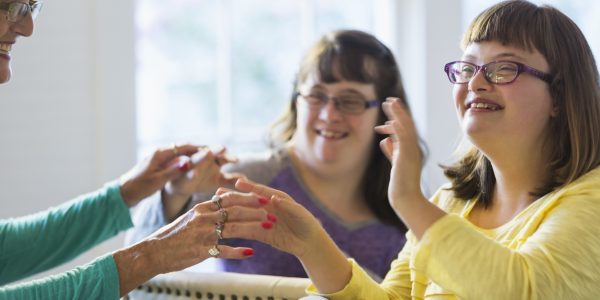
<point>224,215</point>
<point>175,150</point>
<point>219,230</point>
<point>214,251</point>
<point>216,199</point>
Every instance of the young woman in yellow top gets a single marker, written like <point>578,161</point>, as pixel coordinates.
<point>519,219</point>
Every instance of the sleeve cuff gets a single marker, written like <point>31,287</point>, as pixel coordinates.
<point>355,287</point>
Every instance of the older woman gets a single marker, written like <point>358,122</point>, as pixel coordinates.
<point>39,242</point>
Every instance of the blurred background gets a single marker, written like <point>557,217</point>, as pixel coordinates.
<point>102,83</point>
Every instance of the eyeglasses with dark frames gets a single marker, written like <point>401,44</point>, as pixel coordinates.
<point>347,103</point>
<point>16,11</point>
<point>497,72</point>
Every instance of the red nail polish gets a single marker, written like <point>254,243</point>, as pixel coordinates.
<point>184,166</point>
<point>263,200</point>
<point>248,252</point>
<point>267,225</point>
<point>272,218</point>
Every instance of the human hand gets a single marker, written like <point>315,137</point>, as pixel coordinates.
<point>203,174</point>
<point>151,174</point>
<point>188,240</point>
<point>297,231</point>
<point>402,149</point>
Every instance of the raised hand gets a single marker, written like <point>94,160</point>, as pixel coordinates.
<point>402,149</point>
<point>153,173</point>
<point>202,174</point>
<point>296,227</point>
<point>296,231</point>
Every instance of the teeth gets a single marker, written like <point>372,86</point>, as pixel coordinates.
<point>5,48</point>
<point>330,134</point>
<point>484,106</point>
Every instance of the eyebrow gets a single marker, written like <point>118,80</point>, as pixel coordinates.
<point>503,55</point>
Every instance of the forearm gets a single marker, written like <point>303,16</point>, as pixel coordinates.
<point>173,203</point>
<point>326,265</point>
<point>134,266</point>
<point>417,213</point>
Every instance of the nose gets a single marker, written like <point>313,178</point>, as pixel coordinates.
<point>24,27</point>
<point>478,82</point>
<point>329,111</point>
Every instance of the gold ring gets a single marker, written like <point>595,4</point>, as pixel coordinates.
<point>224,215</point>
<point>216,199</point>
<point>214,251</point>
<point>175,151</point>
<point>219,230</point>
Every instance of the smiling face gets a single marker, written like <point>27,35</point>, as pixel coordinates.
<point>518,112</point>
<point>326,136</point>
<point>9,31</point>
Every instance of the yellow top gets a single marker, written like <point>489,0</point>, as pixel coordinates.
<point>551,250</point>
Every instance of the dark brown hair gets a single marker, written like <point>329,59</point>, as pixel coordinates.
<point>354,56</point>
<point>574,146</point>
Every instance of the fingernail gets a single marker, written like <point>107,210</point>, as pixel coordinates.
<point>272,218</point>
<point>248,252</point>
<point>263,200</point>
<point>184,165</point>
<point>267,225</point>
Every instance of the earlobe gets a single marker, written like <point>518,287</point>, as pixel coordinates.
<point>554,112</point>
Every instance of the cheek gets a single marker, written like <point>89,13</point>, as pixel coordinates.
<point>459,94</point>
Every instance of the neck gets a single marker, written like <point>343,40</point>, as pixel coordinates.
<point>338,189</point>
<point>519,170</point>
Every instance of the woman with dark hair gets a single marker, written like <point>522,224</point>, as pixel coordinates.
<point>519,218</point>
<point>325,154</point>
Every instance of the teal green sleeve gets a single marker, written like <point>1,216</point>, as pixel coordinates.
<point>97,280</point>
<point>31,244</point>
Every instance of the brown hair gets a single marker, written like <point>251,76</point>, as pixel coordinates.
<point>574,148</point>
<point>354,56</point>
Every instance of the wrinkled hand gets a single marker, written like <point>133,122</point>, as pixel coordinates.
<point>151,174</point>
<point>296,231</point>
<point>187,240</point>
<point>402,149</point>
<point>203,174</point>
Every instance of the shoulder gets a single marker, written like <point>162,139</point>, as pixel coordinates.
<point>260,166</point>
<point>445,199</point>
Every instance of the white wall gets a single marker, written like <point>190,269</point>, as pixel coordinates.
<point>67,116</point>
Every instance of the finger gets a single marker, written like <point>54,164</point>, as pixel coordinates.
<point>396,111</point>
<point>164,155</point>
<point>234,214</point>
<point>387,147</point>
<point>230,178</point>
<point>246,185</point>
<point>228,252</point>
<point>230,198</point>
<point>248,230</point>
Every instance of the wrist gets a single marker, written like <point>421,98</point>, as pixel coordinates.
<point>134,266</point>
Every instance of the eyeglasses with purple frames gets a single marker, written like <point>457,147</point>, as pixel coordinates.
<point>497,72</point>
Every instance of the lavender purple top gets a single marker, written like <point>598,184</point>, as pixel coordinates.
<point>372,244</point>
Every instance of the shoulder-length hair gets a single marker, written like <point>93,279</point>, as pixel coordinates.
<point>574,146</point>
<point>354,56</point>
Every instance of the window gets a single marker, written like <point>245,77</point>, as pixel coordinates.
<point>219,72</point>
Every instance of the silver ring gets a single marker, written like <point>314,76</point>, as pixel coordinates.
<point>219,230</point>
<point>216,199</point>
<point>214,251</point>
<point>224,215</point>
